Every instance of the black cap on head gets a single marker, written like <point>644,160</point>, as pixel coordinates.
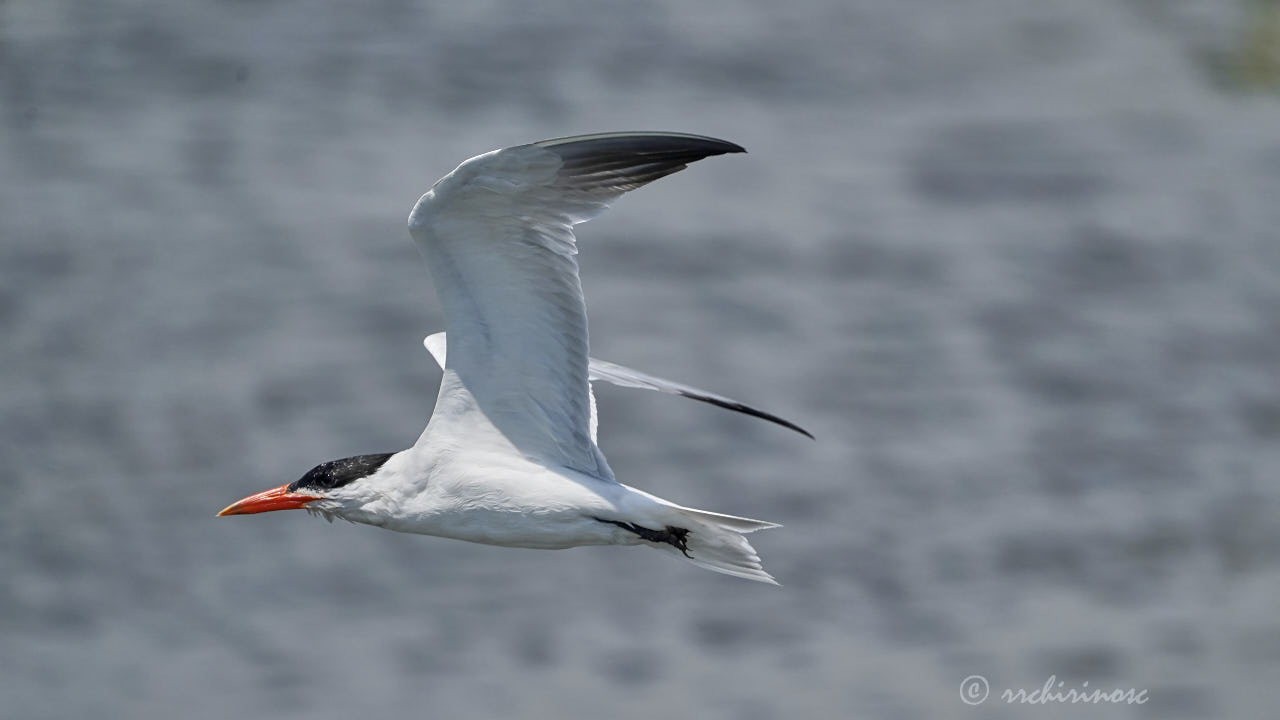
<point>336,473</point>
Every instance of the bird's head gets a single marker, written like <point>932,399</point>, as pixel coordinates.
<point>328,488</point>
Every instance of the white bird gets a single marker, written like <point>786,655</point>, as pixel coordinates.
<point>509,455</point>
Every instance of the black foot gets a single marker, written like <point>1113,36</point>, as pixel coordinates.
<point>669,535</point>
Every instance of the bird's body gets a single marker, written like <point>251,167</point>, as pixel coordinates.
<point>491,498</point>
<point>509,456</point>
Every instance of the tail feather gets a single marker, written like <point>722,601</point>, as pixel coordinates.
<point>733,522</point>
<point>716,542</point>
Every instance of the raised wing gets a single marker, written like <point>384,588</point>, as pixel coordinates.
<point>438,346</point>
<point>624,376</point>
<point>497,236</point>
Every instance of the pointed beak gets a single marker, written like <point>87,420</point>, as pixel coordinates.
<point>274,499</point>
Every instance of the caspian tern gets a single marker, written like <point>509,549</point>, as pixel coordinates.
<point>509,456</point>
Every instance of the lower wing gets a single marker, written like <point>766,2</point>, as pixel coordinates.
<point>621,375</point>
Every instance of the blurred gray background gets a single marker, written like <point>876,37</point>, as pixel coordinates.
<point>1016,264</point>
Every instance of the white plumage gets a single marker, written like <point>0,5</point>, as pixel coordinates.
<point>509,455</point>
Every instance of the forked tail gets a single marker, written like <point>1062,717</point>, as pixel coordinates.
<point>716,542</point>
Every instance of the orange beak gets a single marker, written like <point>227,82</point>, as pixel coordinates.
<point>274,499</point>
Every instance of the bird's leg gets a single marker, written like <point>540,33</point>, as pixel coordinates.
<point>670,535</point>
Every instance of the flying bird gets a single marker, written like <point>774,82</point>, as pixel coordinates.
<point>509,456</point>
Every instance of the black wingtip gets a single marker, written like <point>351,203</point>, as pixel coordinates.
<point>646,142</point>
<point>622,161</point>
<point>748,410</point>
